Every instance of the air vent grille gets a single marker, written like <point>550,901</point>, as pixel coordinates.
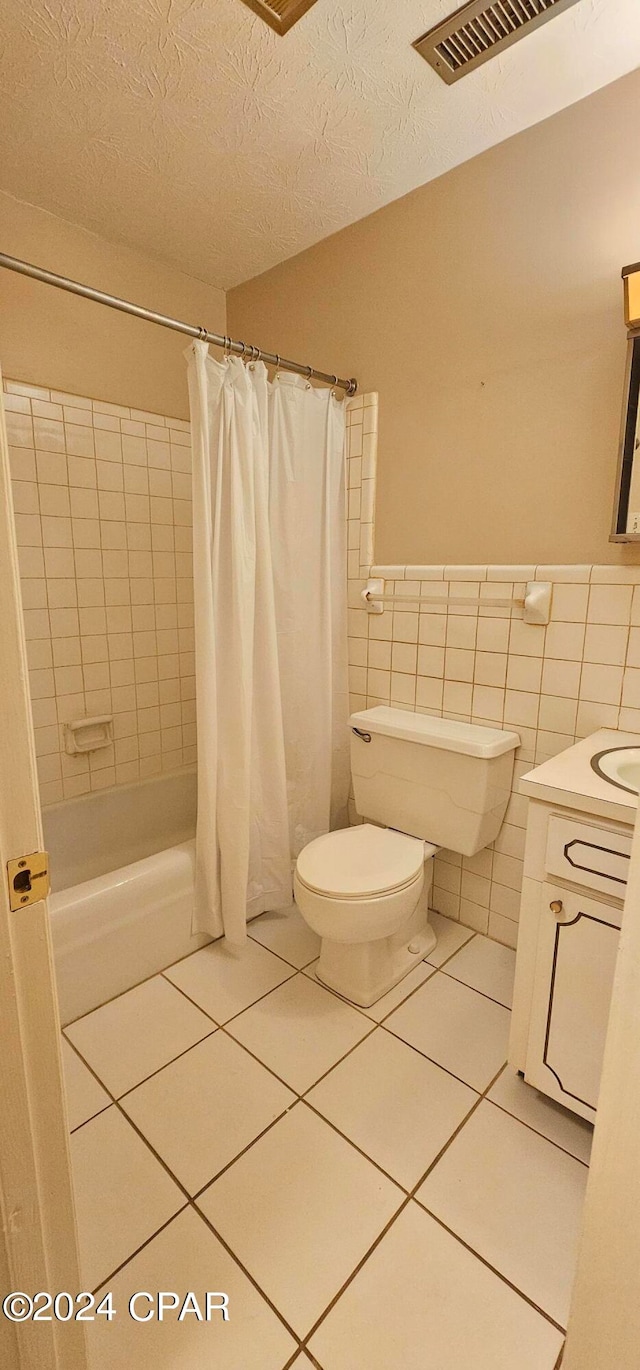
<point>280,15</point>
<point>479,30</point>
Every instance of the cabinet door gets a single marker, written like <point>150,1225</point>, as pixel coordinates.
<point>575,963</point>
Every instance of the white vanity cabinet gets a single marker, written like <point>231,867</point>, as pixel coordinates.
<point>575,875</point>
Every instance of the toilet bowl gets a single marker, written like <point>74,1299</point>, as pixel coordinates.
<point>365,890</point>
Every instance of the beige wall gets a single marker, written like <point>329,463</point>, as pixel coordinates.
<point>486,308</point>
<point>59,341</point>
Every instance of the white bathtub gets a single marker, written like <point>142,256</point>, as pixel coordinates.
<point>122,865</point>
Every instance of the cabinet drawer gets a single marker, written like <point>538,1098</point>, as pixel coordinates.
<point>575,963</point>
<point>597,858</point>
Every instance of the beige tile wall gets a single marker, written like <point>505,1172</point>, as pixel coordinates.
<point>102,498</point>
<point>551,684</point>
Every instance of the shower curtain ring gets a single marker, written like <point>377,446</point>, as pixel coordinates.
<point>202,333</point>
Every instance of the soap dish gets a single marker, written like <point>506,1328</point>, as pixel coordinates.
<point>88,734</point>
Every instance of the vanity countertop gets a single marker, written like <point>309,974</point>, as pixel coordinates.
<point>569,778</point>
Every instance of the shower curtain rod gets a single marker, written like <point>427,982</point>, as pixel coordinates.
<point>229,344</point>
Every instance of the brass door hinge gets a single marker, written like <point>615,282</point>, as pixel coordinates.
<point>28,879</point>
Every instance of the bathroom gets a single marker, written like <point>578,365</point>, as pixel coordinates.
<point>329,988</point>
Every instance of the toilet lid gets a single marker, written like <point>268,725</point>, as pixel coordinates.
<point>361,861</point>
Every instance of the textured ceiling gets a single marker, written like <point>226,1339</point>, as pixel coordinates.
<point>188,129</point>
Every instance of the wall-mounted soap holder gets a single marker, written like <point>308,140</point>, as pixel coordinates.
<point>88,734</point>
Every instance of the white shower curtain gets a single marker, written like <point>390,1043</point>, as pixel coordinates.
<point>308,542</point>
<point>270,607</point>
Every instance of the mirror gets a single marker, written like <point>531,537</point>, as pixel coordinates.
<point>626,518</point>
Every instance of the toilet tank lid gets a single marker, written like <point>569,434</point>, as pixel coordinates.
<point>472,739</point>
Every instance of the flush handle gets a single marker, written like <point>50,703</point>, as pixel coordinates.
<point>366,737</point>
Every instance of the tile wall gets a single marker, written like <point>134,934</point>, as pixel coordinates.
<point>551,684</point>
<point>102,499</point>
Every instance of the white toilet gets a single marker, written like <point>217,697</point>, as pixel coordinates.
<point>365,890</point>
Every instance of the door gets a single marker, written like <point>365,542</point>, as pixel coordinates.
<point>575,964</point>
<point>38,1250</point>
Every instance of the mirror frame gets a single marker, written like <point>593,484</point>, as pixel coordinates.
<point>628,430</point>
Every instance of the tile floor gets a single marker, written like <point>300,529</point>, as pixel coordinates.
<point>371,1188</point>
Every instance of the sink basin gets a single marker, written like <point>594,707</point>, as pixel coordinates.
<point>620,766</point>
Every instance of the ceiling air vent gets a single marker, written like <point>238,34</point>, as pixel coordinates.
<point>281,15</point>
<point>479,30</point>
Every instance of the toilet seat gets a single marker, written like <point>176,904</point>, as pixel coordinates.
<point>362,862</point>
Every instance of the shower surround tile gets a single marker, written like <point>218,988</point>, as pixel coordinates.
<point>81,496</point>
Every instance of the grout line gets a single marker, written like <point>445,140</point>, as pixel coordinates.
<point>560,1357</point>
<point>505,1280</point>
<point>171,1062</point>
<point>191,1200</point>
<point>356,1271</point>
<point>249,1276</point>
<point>233,1016</point>
<point>112,1273</point>
<point>89,1120</point>
<point>144,981</point>
<point>219,1173</point>
<point>490,997</point>
<point>387,1174</point>
<point>452,1138</point>
<point>212,941</point>
<point>432,1058</point>
<point>189,1204</point>
<point>543,1135</point>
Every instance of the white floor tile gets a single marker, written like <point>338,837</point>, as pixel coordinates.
<point>300,1030</point>
<point>285,932</point>
<point>451,936</point>
<point>85,1097</point>
<point>299,1210</point>
<point>569,1131</point>
<point>137,1033</point>
<point>517,1200</point>
<point>486,966</point>
<point>123,1194</point>
<point>224,982</point>
<point>396,1106</point>
<point>203,1109</point>
<point>456,1027</point>
<point>400,992</point>
<point>422,1300</point>
<point>187,1256</point>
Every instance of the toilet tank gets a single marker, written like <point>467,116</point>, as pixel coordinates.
<point>446,782</point>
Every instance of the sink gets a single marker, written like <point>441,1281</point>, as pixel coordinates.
<point>620,766</point>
